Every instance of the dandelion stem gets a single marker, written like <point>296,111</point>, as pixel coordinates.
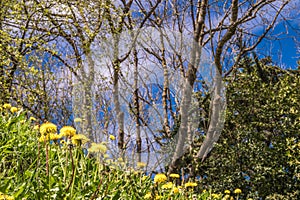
<point>47,159</point>
<point>73,170</point>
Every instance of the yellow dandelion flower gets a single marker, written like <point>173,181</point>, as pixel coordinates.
<point>226,197</point>
<point>79,139</point>
<point>168,185</point>
<point>174,175</point>
<point>112,137</point>
<point>77,119</point>
<point>215,196</point>
<point>96,148</point>
<point>54,136</point>
<point>63,142</point>
<point>32,119</point>
<point>44,138</point>
<point>148,196</point>
<point>136,172</point>
<point>160,178</point>
<point>105,156</point>
<point>7,106</point>
<point>108,161</point>
<point>158,197</point>
<point>141,164</point>
<point>13,109</point>
<point>36,127</point>
<point>102,148</point>
<point>237,191</point>
<point>175,190</point>
<point>145,178</point>
<point>227,192</point>
<point>190,184</point>
<point>67,131</point>
<point>6,197</point>
<point>48,128</point>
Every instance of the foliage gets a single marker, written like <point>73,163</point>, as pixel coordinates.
<point>70,173</point>
<point>62,60</point>
<point>258,150</point>
<point>31,169</point>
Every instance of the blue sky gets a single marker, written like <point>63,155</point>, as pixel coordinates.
<point>283,43</point>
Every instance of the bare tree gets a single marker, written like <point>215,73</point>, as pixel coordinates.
<point>216,27</point>
<point>193,40</point>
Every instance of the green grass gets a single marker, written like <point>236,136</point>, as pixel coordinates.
<point>30,169</point>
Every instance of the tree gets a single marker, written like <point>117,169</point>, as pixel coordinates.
<point>216,28</point>
<point>25,78</point>
<point>256,149</point>
<point>73,33</point>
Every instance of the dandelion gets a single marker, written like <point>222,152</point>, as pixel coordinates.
<point>36,127</point>
<point>13,109</point>
<point>148,196</point>
<point>168,185</point>
<point>180,188</point>
<point>226,197</point>
<point>106,156</point>
<point>102,148</point>
<point>6,197</point>
<point>175,190</point>
<point>112,137</point>
<point>32,119</point>
<point>174,175</point>
<point>160,178</point>
<point>190,184</point>
<point>54,136</point>
<point>237,191</point>
<point>96,148</point>
<point>141,164</point>
<point>158,197</point>
<point>227,192</point>
<point>108,161</point>
<point>7,106</point>
<point>136,172</point>
<point>67,131</point>
<point>145,178</point>
<point>77,119</point>
<point>44,138</point>
<point>48,128</point>
<point>79,139</point>
<point>63,142</point>
<point>48,137</point>
<point>32,69</point>
<point>215,196</point>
